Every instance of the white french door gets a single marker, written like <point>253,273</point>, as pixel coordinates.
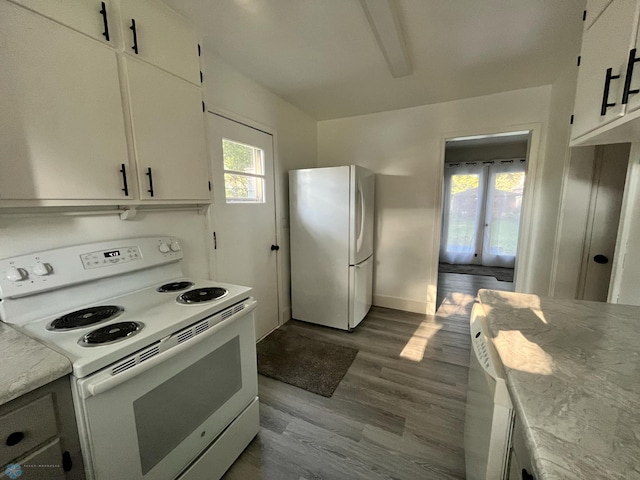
<point>243,214</point>
<point>481,216</point>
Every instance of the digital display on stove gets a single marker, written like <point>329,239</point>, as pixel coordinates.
<point>113,253</point>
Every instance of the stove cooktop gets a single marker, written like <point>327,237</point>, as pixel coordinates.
<point>140,318</point>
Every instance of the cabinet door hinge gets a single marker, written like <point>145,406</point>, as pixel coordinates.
<point>201,77</point>
<point>571,120</point>
<point>215,241</point>
<point>199,51</point>
<point>584,15</point>
<point>209,186</point>
<point>579,58</point>
<point>203,107</point>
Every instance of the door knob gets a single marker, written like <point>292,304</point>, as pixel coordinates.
<point>275,247</point>
<point>600,259</point>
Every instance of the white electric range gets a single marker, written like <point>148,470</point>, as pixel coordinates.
<point>164,367</point>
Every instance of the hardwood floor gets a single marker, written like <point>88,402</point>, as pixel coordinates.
<point>397,414</point>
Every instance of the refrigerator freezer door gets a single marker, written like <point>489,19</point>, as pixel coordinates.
<point>319,212</point>
<point>360,286</point>
<point>361,203</point>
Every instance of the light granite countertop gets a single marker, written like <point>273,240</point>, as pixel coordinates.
<point>26,364</point>
<point>573,372</point>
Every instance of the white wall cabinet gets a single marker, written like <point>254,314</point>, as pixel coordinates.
<point>95,18</point>
<point>601,77</point>
<point>156,35</point>
<point>168,127</point>
<point>62,130</point>
<point>82,122</point>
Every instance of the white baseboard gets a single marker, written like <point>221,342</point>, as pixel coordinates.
<point>403,304</point>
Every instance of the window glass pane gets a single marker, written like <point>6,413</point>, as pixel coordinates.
<point>462,213</point>
<point>242,158</point>
<point>505,213</point>
<point>243,189</point>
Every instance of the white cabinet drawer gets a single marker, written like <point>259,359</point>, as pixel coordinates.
<point>25,428</point>
<point>95,18</point>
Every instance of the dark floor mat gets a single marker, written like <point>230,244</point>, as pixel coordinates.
<point>501,274</point>
<point>313,365</point>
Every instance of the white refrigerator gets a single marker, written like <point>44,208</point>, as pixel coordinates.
<point>331,221</point>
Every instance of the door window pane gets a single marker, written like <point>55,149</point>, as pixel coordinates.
<point>244,172</point>
<point>462,213</point>
<point>505,213</point>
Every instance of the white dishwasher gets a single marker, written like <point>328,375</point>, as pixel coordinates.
<point>489,415</point>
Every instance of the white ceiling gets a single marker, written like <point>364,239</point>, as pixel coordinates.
<point>322,56</point>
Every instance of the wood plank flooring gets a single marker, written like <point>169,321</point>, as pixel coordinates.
<point>398,412</point>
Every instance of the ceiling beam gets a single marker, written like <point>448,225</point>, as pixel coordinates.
<point>385,22</point>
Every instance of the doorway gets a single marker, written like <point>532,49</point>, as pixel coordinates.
<point>484,179</point>
<point>243,214</point>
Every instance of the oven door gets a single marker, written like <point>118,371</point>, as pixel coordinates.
<point>154,419</point>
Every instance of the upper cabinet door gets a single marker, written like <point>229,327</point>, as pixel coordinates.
<point>594,10</point>
<point>605,50</point>
<point>62,132</point>
<point>155,34</point>
<point>95,18</point>
<point>168,128</point>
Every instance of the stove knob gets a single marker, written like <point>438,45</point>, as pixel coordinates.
<point>16,274</point>
<point>42,269</point>
<point>175,246</point>
<point>163,247</point>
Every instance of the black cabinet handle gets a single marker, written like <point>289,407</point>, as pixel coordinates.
<point>105,21</point>
<point>601,259</point>
<point>150,175</point>
<point>67,464</point>
<point>275,247</point>
<point>123,171</point>
<point>135,35</point>
<point>627,79</point>
<point>14,438</point>
<point>605,95</point>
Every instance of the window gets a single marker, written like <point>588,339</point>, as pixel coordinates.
<point>243,172</point>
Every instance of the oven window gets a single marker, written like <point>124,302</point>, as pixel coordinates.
<point>170,412</point>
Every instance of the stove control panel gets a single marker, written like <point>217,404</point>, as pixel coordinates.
<point>106,258</point>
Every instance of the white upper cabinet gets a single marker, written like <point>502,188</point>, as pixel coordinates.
<point>168,128</point>
<point>62,130</point>
<point>97,19</point>
<point>154,33</point>
<point>594,10</point>
<point>601,75</point>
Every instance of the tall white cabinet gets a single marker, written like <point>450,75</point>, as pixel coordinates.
<point>87,119</point>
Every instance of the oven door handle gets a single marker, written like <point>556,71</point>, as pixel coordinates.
<point>102,385</point>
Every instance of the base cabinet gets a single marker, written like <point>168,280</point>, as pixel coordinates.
<point>520,467</point>
<point>39,435</point>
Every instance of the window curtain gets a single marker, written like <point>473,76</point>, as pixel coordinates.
<point>505,186</point>
<point>464,191</point>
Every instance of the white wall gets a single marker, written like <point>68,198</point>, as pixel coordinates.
<point>229,91</point>
<point>28,233</point>
<point>548,201</point>
<point>405,149</point>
